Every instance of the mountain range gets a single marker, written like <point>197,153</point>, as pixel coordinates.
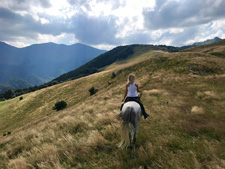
<point>44,63</point>
<point>208,41</point>
<point>40,63</point>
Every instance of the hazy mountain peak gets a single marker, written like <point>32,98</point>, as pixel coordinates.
<point>40,63</point>
<point>208,41</point>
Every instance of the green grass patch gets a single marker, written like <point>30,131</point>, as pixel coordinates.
<point>221,150</point>
<point>219,54</point>
<point>182,142</point>
<point>209,133</point>
<point>3,146</point>
<point>177,65</point>
<point>203,69</point>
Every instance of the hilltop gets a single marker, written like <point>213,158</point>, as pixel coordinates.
<point>117,54</point>
<point>207,42</point>
<point>215,49</point>
<point>183,93</point>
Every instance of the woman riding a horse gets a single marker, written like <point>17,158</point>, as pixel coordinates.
<point>131,94</point>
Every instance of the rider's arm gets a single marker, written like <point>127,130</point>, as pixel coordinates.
<point>126,91</point>
<point>138,90</point>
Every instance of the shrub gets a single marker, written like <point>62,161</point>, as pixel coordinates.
<point>21,98</point>
<point>8,94</point>
<point>60,105</point>
<point>113,75</point>
<point>54,82</point>
<point>92,91</point>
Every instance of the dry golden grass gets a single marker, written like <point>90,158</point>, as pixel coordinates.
<point>133,60</point>
<point>19,163</point>
<point>185,128</point>
<point>155,92</point>
<point>207,95</point>
<point>197,110</point>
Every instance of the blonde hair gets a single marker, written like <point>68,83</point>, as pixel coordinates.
<point>131,78</point>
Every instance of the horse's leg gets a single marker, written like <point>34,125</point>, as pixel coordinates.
<point>135,132</point>
<point>130,138</point>
<point>134,138</point>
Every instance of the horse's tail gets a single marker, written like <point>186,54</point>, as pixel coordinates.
<point>128,116</point>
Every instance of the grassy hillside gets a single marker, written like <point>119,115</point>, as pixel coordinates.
<point>183,93</point>
<point>117,54</point>
<point>207,42</point>
<point>216,49</point>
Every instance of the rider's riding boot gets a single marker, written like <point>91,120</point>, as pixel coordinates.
<point>146,116</point>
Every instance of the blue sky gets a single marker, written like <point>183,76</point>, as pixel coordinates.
<point>108,23</point>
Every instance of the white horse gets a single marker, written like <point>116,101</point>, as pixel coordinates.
<point>131,115</point>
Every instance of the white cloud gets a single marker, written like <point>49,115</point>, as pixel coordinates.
<point>218,24</point>
<point>61,39</point>
<point>104,46</point>
<point>18,44</point>
<point>99,9</point>
<point>156,34</point>
<point>44,21</point>
<point>108,23</point>
<point>130,18</point>
<point>176,30</point>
